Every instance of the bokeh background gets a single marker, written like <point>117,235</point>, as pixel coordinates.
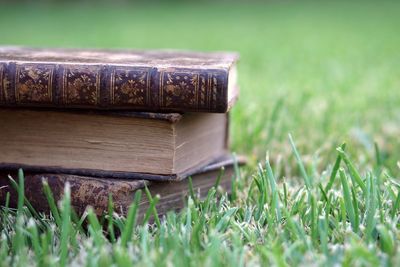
<point>324,71</point>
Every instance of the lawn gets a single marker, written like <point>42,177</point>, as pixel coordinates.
<point>313,75</point>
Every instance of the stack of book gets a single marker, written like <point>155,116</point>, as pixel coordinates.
<point>112,122</point>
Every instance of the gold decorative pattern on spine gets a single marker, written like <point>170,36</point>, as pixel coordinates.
<point>81,85</point>
<point>196,91</point>
<point>203,91</point>
<point>214,91</point>
<point>180,89</point>
<point>209,91</point>
<point>33,83</point>
<point>130,87</point>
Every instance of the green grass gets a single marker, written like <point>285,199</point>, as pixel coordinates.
<point>325,73</point>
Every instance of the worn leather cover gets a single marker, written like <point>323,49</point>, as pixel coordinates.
<point>91,191</point>
<point>84,190</point>
<point>161,81</point>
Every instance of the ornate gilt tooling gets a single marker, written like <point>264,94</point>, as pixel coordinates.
<point>33,83</point>
<point>81,85</point>
<point>180,88</point>
<point>130,87</point>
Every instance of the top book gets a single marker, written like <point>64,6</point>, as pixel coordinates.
<point>158,81</point>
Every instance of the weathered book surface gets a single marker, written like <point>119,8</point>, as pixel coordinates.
<point>111,144</point>
<point>89,191</point>
<point>106,79</point>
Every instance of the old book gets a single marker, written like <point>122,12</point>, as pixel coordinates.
<point>105,79</point>
<point>89,191</point>
<point>103,144</point>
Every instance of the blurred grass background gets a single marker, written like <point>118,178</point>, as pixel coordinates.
<point>326,72</point>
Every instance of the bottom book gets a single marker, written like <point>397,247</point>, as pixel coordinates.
<point>94,192</point>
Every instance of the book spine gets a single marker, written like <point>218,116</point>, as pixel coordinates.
<point>112,87</point>
<point>84,192</point>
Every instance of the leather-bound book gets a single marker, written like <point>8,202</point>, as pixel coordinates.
<point>157,81</point>
<point>111,144</point>
<point>91,191</point>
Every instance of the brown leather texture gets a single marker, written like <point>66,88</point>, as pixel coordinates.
<point>161,81</point>
<point>85,191</point>
<point>90,191</point>
<point>94,192</point>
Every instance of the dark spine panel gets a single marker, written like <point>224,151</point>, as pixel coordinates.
<point>154,89</point>
<point>221,99</point>
<point>2,68</point>
<point>10,79</point>
<point>105,83</point>
<point>216,93</point>
<point>57,86</point>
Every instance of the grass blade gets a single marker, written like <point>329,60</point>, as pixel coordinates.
<point>303,172</point>
<point>371,205</point>
<point>66,225</point>
<point>349,208</point>
<point>218,180</point>
<point>126,234</point>
<point>191,192</point>
<point>95,228</point>
<point>110,219</point>
<point>334,170</point>
<point>21,191</point>
<point>52,204</point>
<point>152,208</point>
<point>34,237</point>
<point>275,195</point>
<point>31,209</point>
<point>352,170</point>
